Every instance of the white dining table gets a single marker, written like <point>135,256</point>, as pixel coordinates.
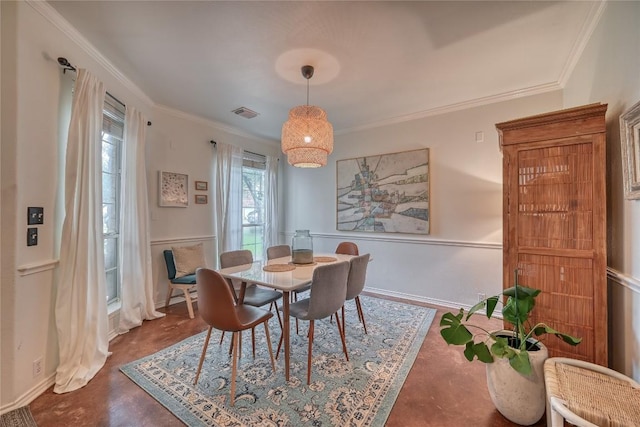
<point>285,281</point>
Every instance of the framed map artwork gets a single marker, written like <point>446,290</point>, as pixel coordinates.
<point>387,193</point>
<point>174,189</point>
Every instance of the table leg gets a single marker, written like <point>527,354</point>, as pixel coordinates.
<point>285,332</point>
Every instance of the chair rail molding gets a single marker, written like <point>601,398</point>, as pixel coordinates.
<point>623,280</point>
<point>38,267</point>
<point>172,240</point>
<point>396,239</point>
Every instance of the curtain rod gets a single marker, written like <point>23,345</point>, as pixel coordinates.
<point>66,66</point>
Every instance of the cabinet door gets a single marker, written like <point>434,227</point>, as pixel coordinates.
<point>554,236</point>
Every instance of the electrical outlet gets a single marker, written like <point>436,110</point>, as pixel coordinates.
<point>37,367</point>
<point>481,296</point>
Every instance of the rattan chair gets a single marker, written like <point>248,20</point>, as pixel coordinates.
<point>328,292</point>
<point>217,307</point>
<point>589,395</point>
<point>347,248</point>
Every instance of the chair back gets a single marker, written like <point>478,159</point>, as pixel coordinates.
<point>357,275</point>
<point>328,289</point>
<point>216,303</point>
<point>171,265</point>
<point>234,258</point>
<point>347,248</point>
<point>278,251</point>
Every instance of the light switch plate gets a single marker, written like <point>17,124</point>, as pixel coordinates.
<point>32,236</point>
<point>35,215</point>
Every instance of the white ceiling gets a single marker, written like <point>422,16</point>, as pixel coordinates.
<point>376,62</point>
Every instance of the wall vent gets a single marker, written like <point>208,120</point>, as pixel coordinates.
<point>245,112</point>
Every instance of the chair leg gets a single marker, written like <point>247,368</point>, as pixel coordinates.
<point>187,298</point>
<point>232,345</point>
<point>279,345</point>
<point>309,355</point>
<point>253,341</point>
<point>234,366</point>
<point>344,324</point>
<point>277,313</point>
<point>166,303</point>
<point>221,338</point>
<point>266,332</point>
<point>294,297</point>
<point>361,313</point>
<point>344,344</point>
<point>204,351</point>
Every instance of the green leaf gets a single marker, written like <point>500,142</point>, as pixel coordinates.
<point>488,304</point>
<point>523,292</point>
<point>542,329</point>
<point>520,362</point>
<point>452,329</point>
<point>501,347</point>
<point>516,311</point>
<point>479,350</point>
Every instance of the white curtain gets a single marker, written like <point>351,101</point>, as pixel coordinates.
<point>135,244</point>
<point>228,197</point>
<point>81,305</point>
<point>271,220</point>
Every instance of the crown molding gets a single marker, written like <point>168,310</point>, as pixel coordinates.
<point>464,105</point>
<point>211,123</point>
<point>589,26</point>
<point>51,15</point>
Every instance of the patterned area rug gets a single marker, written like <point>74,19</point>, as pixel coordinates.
<point>360,392</point>
<point>20,417</point>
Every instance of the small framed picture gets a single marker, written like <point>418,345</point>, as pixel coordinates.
<point>201,199</point>
<point>202,185</point>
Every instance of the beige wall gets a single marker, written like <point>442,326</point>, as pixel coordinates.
<point>608,72</point>
<point>459,259</point>
<point>462,255</point>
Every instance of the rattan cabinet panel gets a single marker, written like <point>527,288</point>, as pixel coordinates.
<point>554,220</point>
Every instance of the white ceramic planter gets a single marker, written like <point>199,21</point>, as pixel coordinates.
<point>521,399</point>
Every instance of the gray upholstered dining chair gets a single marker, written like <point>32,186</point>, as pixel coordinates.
<point>253,295</point>
<point>278,251</point>
<point>281,251</point>
<point>355,285</point>
<point>328,293</point>
<point>218,308</point>
<point>347,248</point>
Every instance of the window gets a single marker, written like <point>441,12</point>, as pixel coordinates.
<point>253,186</point>
<point>112,138</point>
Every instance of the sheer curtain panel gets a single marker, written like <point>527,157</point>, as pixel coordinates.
<point>81,306</point>
<point>135,243</point>
<point>271,220</point>
<point>228,197</point>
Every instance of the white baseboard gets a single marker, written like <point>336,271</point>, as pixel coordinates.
<point>30,395</point>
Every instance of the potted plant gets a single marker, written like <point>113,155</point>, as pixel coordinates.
<point>514,358</point>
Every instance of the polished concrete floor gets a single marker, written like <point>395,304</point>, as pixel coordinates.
<point>442,389</point>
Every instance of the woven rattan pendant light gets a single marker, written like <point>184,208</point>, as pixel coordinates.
<point>307,137</point>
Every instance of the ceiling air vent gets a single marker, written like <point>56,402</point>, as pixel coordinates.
<point>245,112</point>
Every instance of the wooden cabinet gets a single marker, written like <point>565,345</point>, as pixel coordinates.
<point>554,212</point>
